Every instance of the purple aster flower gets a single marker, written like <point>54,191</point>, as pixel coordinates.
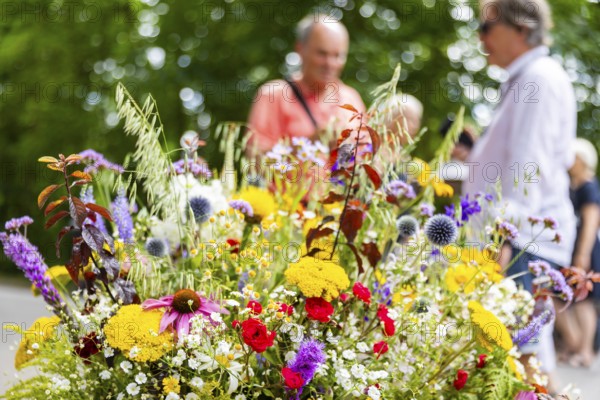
<point>243,206</point>
<point>87,196</point>
<point>426,210</point>
<point>560,285</point>
<point>97,161</point>
<point>15,223</point>
<point>539,267</point>
<point>398,188</point>
<point>308,359</point>
<point>522,395</point>
<point>29,260</point>
<point>551,223</point>
<point>523,336</point>
<point>122,217</point>
<point>508,230</point>
<point>196,167</point>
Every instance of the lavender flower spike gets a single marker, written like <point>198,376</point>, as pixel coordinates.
<point>122,217</point>
<point>308,359</point>
<point>523,336</point>
<point>29,260</point>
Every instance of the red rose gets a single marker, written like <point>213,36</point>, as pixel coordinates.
<point>461,379</point>
<point>255,307</point>
<point>318,309</point>
<point>388,327</point>
<point>286,308</point>
<point>481,362</point>
<point>362,292</point>
<point>344,297</point>
<point>235,324</point>
<point>256,335</point>
<point>235,246</point>
<point>382,312</point>
<point>380,348</point>
<point>293,380</point>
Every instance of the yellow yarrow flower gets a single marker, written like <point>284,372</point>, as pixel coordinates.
<point>133,327</point>
<point>491,331</point>
<point>462,277</point>
<point>40,331</point>
<point>171,385</point>
<point>262,201</point>
<point>317,278</point>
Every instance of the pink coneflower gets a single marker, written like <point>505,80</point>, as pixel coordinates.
<point>181,308</point>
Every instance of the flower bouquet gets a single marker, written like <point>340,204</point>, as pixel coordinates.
<point>344,285</point>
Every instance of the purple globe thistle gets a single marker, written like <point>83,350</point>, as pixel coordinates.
<point>122,217</point>
<point>156,247</point>
<point>308,359</point>
<point>29,260</point>
<point>201,209</point>
<point>441,230</point>
<point>407,226</point>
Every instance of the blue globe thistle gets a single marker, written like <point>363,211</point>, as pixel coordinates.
<point>441,230</point>
<point>156,247</point>
<point>201,209</point>
<point>407,226</point>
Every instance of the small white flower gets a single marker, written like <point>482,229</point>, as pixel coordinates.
<point>289,355</point>
<point>191,396</point>
<point>193,363</point>
<point>362,347</point>
<point>109,352</point>
<point>349,355</point>
<point>35,346</point>
<point>240,397</point>
<point>120,396</point>
<point>358,371</point>
<point>141,378</point>
<point>104,375</point>
<point>197,382</point>
<point>232,303</point>
<point>133,389</point>
<point>172,396</point>
<point>134,352</point>
<point>374,393</point>
<point>216,317</point>
<point>126,366</point>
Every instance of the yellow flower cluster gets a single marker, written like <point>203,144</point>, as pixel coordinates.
<point>42,329</point>
<point>171,385</point>
<point>317,278</point>
<point>462,276</point>
<point>426,177</point>
<point>262,201</point>
<point>133,327</point>
<point>491,331</point>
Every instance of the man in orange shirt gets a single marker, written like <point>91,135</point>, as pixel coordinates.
<point>305,105</point>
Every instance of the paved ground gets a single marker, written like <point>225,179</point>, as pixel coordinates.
<point>17,305</point>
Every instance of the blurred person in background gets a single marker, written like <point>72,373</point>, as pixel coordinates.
<point>578,324</point>
<point>529,143</point>
<point>304,105</point>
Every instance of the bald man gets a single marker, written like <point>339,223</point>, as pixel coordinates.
<point>306,104</point>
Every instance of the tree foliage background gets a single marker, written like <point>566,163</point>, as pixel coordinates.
<point>203,61</point>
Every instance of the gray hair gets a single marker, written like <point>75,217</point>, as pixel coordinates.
<point>534,15</point>
<point>306,24</point>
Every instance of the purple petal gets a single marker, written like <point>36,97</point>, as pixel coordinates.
<point>150,304</point>
<point>167,319</point>
<point>184,323</point>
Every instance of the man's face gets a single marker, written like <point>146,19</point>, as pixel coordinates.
<point>324,53</point>
<point>499,39</point>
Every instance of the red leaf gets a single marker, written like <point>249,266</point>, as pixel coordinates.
<point>100,210</point>
<point>373,175</point>
<point>333,197</point>
<point>351,223</point>
<point>78,210</point>
<point>359,261</point>
<point>43,197</point>
<point>349,107</point>
<point>55,218</point>
<point>346,133</point>
<point>60,237</point>
<point>375,139</point>
<point>372,252</point>
<point>52,205</point>
<point>317,233</point>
